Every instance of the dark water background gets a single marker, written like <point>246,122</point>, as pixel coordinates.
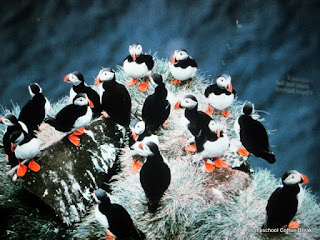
<point>261,44</point>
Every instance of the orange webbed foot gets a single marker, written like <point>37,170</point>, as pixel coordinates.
<point>191,148</point>
<point>175,82</point>
<point>22,169</point>
<point>109,235</point>
<point>143,86</point>
<point>221,164</point>
<point>43,126</point>
<point>209,110</point>
<point>79,131</point>
<point>166,122</point>
<point>132,82</point>
<point>35,167</point>
<point>293,225</point>
<point>136,165</point>
<point>105,114</point>
<point>226,113</point>
<point>242,151</point>
<point>74,139</point>
<point>210,167</point>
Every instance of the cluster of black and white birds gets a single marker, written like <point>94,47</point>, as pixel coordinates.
<point>112,100</point>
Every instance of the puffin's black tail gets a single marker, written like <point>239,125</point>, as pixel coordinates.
<point>269,157</point>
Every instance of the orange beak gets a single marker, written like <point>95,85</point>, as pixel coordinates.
<point>12,148</point>
<point>134,136</point>
<point>134,57</point>
<point>305,179</point>
<point>66,78</point>
<point>96,81</point>
<point>229,88</point>
<point>91,103</point>
<point>218,132</point>
<point>1,120</point>
<point>140,146</point>
<point>177,105</point>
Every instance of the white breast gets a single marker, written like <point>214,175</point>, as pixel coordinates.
<point>182,73</point>
<point>83,120</point>
<point>28,150</point>
<point>102,219</point>
<point>132,69</point>
<point>72,95</point>
<point>236,127</point>
<point>47,107</point>
<point>221,101</point>
<point>216,148</point>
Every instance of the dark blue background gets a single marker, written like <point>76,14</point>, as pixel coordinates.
<point>258,43</point>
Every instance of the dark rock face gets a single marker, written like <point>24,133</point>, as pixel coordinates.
<point>69,174</point>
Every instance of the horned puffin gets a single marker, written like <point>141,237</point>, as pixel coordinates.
<point>155,175</point>
<point>182,66</point>
<point>213,143</point>
<point>73,118</point>
<point>220,95</point>
<point>138,65</point>
<point>115,219</point>
<point>12,124</point>
<point>253,135</point>
<point>284,201</point>
<point>193,120</point>
<point>115,98</point>
<point>26,147</point>
<point>139,133</point>
<point>156,107</point>
<point>35,110</point>
<point>79,86</point>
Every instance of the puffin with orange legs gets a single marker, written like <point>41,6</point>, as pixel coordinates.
<point>252,135</point>
<point>182,66</point>
<point>284,202</point>
<point>193,120</point>
<point>138,65</point>
<point>73,118</point>
<point>220,95</point>
<point>212,144</point>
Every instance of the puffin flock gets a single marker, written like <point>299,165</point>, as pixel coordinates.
<point>112,100</point>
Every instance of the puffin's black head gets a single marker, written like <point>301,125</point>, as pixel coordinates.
<point>215,126</point>
<point>248,108</point>
<point>157,78</point>
<point>224,81</point>
<point>9,120</point>
<point>101,195</point>
<point>75,78</point>
<point>189,102</point>
<point>179,55</point>
<point>81,99</point>
<point>137,126</point>
<point>105,75</point>
<point>135,50</point>
<point>17,137</point>
<point>150,148</point>
<point>34,89</point>
<point>293,177</point>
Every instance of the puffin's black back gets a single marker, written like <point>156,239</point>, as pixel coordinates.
<point>282,206</point>
<point>155,178</point>
<point>254,138</point>
<point>186,63</point>
<point>216,90</point>
<point>156,108</point>
<point>116,101</point>
<point>143,58</point>
<point>33,112</point>
<point>198,120</point>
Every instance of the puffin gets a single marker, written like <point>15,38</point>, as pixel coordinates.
<point>12,124</point>
<point>220,95</point>
<point>26,147</point>
<point>155,175</point>
<point>115,98</point>
<point>138,65</point>
<point>79,86</point>
<point>182,66</point>
<point>35,110</point>
<point>73,118</point>
<point>252,135</point>
<point>211,144</point>
<point>139,133</point>
<point>193,120</point>
<point>156,107</point>
<point>284,201</point>
<point>115,219</point>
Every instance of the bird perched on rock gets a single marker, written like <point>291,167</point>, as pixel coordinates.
<point>35,110</point>
<point>115,98</point>
<point>220,95</point>
<point>193,120</point>
<point>156,107</point>
<point>212,144</point>
<point>155,175</point>
<point>26,147</point>
<point>115,219</point>
<point>284,201</point>
<point>74,117</point>
<point>182,66</point>
<point>137,66</point>
<point>79,86</point>
<point>253,135</point>
<point>139,134</point>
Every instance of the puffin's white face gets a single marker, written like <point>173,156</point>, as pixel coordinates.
<point>215,127</point>
<point>146,149</point>
<point>135,50</point>
<point>294,178</point>
<point>81,101</point>
<point>139,128</point>
<point>105,75</point>
<point>188,103</point>
<point>74,79</point>
<point>181,55</point>
<point>224,81</point>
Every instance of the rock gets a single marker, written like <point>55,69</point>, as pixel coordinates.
<point>68,173</point>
